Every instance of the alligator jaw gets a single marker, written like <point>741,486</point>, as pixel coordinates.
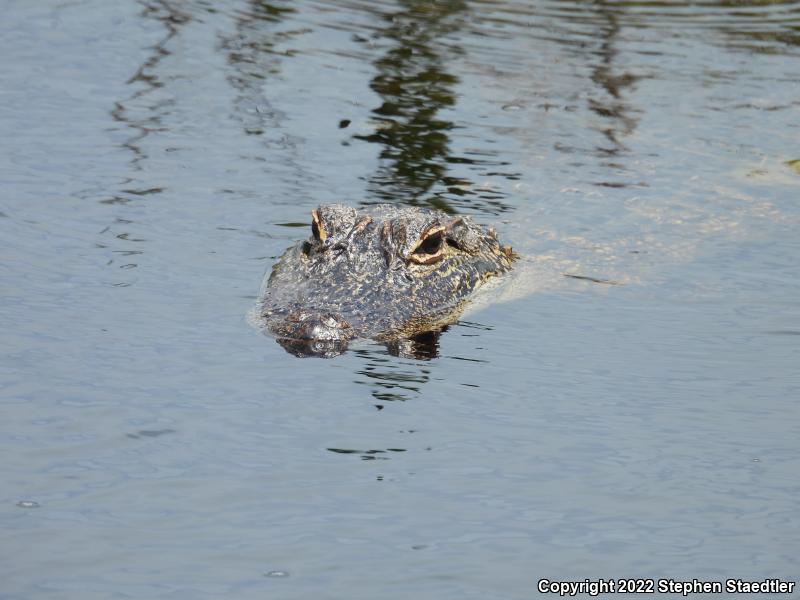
<point>309,348</point>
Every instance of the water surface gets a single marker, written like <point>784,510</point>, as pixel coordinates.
<point>630,410</point>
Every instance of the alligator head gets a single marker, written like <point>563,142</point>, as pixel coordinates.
<point>384,272</point>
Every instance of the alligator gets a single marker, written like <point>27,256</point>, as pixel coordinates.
<point>385,272</point>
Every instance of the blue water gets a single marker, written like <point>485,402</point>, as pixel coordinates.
<point>636,418</point>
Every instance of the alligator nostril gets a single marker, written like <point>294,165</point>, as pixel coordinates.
<point>309,325</point>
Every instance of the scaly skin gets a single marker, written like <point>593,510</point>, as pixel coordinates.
<point>384,272</point>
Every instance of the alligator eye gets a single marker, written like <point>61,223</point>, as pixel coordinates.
<point>317,228</point>
<point>430,248</point>
<point>430,245</point>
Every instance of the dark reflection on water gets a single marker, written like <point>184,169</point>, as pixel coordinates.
<point>368,454</point>
<point>139,112</point>
<point>761,26</point>
<point>758,26</point>
<point>611,106</point>
<point>416,85</point>
<point>150,433</point>
<point>390,380</point>
<point>253,58</point>
<point>423,346</point>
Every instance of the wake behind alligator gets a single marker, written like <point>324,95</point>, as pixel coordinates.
<point>385,272</point>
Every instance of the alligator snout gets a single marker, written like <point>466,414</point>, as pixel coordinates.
<point>314,333</point>
<point>313,325</point>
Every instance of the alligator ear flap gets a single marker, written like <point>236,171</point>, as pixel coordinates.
<point>332,223</point>
<point>464,234</point>
<point>317,228</point>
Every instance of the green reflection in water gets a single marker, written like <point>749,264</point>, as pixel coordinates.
<point>415,86</point>
<point>252,57</point>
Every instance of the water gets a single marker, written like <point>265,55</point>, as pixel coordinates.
<point>636,419</point>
